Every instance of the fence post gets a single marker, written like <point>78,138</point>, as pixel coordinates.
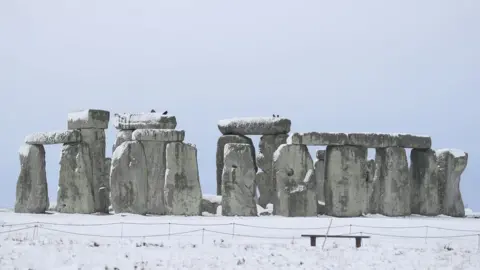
<point>233,230</point>
<point>169,230</point>
<point>203,234</point>
<point>426,234</point>
<point>350,231</point>
<point>328,230</point>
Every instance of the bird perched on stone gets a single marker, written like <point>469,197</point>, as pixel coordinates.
<point>165,113</point>
<point>152,111</point>
<point>278,115</point>
<point>274,116</point>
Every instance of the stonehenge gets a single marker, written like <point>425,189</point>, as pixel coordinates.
<point>153,171</point>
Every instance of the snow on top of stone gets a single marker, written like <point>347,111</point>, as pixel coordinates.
<point>144,120</point>
<point>24,150</point>
<point>212,198</point>
<point>249,120</point>
<point>78,116</point>
<point>254,126</point>
<point>455,152</point>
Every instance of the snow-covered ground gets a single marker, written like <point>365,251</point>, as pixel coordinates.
<point>62,241</point>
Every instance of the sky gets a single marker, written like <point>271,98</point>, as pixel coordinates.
<point>341,66</point>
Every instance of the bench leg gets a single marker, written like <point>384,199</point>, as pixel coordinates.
<point>358,242</point>
<point>313,241</point>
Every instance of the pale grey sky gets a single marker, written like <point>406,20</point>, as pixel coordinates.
<point>351,66</point>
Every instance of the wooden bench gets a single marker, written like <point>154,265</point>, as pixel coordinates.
<point>313,238</point>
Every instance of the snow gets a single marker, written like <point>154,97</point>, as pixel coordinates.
<point>78,116</point>
<point>245,121</point>
<point>457,153</point>
<point>63,241</point>
<point>212,198</point>
<point>24,150</point>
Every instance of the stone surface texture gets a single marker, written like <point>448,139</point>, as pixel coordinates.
<point>318,138</point>
<point>238,181</point>
<point>210,203</point>
<point>254,126</point>
<point>222,141</point>
<point>424,182</point>
<point>295,181</point>
<point>156,166</point>
<point>128,179</point>
<point>451,164</point>
<point>54,137</point>
<point>373,189</point>
<point>159,135</point>
<point>97,119</point>
<point>183,194</point>
<point>32,190</point>
<point>267,146</point>
<point>134,121</point>
<point>391,170</point>
<point>345,178</point>
<point>122,136</point>
<point>75,190</point>
<point>319,167</point>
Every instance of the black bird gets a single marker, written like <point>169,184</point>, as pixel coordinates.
<point>278,115</point>
<point>152,111</point>
<point>165,112</point>
<point>274,116</point>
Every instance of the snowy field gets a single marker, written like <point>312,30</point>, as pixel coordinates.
<point>62,241</point>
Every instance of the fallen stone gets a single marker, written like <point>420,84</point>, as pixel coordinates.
<point>222,141</point>
<point>451,164</point>
<point>134,121</point>
<point>183,194</point>
<point>345,175</point>
<point>96,142</point>
<point>318,138</point>
<point>319,167</point>
<point>238,181</point>
<point>159,135</point>
<point>122,136</point>
<point>295,181</point>
<point>128,179</point>
<point>391,170</point>
<point>54,137</point>
<point>210,203</point>
<point>424,182</point>
<point>156,165</point>
<point>88,119</point>
<point>254,126</point>
<point>32,190</point>
<point>75,190</point>
<point>267,146</point>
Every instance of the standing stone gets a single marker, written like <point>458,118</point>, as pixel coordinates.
<point>105,192</point>
<point>183,194</point>
<point>75,191</point>
<point>32,190</point>
<point>128,179</point>
<point>345,177</point>
<point>424,182</point>
<point>319,167</point>
<point>267,146</point>
<point>156,166</point>
<point>222,141</point>
<point>210,203</point>
<point>122,136</point>
<point>373,189</point>
<point>95,139</point>
<point>394,184</point>
<point>451,164</point>
<point>238,181</point>
<point>295,179</point>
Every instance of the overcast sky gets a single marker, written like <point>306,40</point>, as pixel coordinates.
<point>350,66</point>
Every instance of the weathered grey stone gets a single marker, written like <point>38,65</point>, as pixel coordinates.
<point>296,189</point>
<point>318,138</point>
<point>122,136</point>
<point>267,146</point>
<point>128,179</point>
<point>134,121</point>
<point>413,141</point>
<point>88,119</point>
<point>32,190</point>
<point>156,165</point>
<point>104,192</point>
<point>183,194</point>
<point>96,142</point>
<point>345,177</point>
<point>254,126</point>
<point>373,190</point>
<point>238,181</point>
<point>391,169</point>
<point>319,167</point>
<point>75,190</point>
<point>159,135</point>
<point>210,203</point>
<point>424,182</point>
<point>222,141</point>
<point>451,164</point>
<point>54,137</point>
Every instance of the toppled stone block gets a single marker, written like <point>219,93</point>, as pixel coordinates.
<point>32,190</point>
<point>345,175</point>
<point>54,137</point>
<point>134,121</point>
<point>254,126</point>
<point>451,164</point>
<point>210,203</point>
<point>122,136</point>
<point>159,135</point>
<point>75,190</point>
<point>296,189</point>
<point>318,138</point>
<point>222,141</point>
<point>319,167</point>
<point>183,194</point>
<point>424,182</point>
<point>391,170</point>
<point>128,179</point>
<point>238,181</point>
<point>88,119</point>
